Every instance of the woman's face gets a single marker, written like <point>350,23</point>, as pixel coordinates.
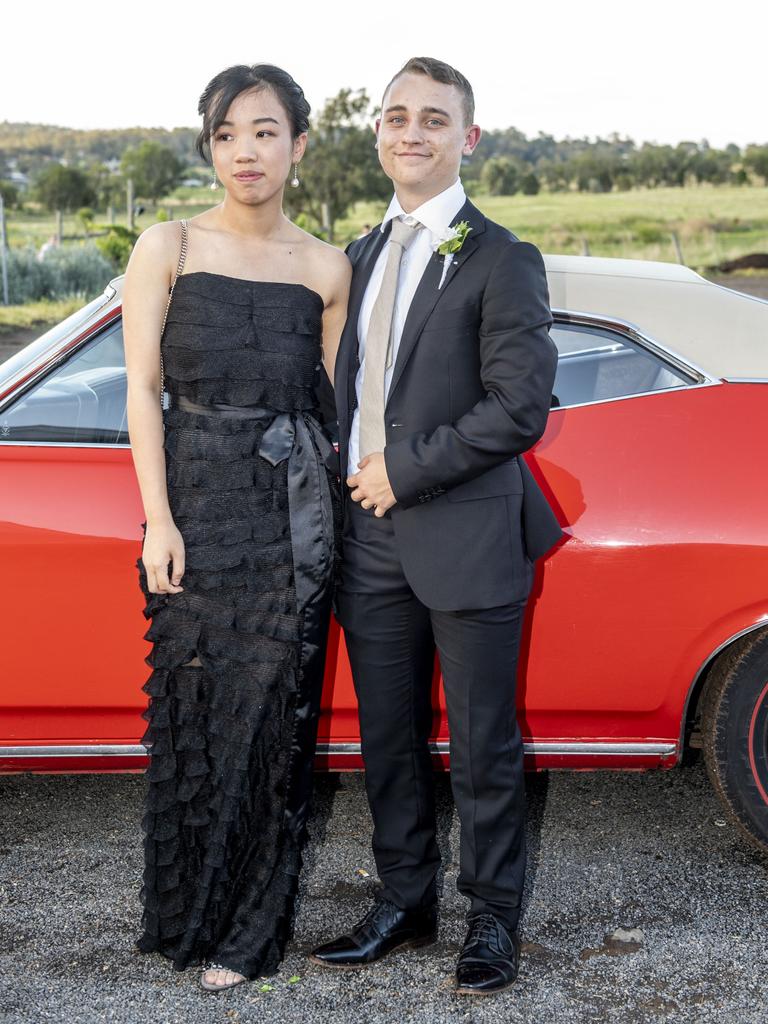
<point>254,148</point>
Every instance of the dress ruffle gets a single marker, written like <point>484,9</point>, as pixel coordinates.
<point>231,735</point>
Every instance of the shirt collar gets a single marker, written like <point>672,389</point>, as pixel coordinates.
<point>436,214</point>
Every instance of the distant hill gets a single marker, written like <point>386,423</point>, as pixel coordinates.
<point>27,144</point>
<point>515,162</point>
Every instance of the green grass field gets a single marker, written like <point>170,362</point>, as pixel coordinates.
<point>14,319</point>
<point>713,223</point>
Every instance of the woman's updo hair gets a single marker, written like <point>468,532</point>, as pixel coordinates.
<point>227,86</point>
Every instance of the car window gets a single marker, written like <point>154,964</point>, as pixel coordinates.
<point>64,329</point>
<point>596,364</point>
<point>80,402</point>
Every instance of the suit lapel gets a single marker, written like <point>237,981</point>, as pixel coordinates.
<point>428,293</point>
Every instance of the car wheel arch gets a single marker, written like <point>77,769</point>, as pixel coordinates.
<point>729,695</point>
<point>693,704</point>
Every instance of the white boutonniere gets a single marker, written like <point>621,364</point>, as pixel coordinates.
<point>448,243</point>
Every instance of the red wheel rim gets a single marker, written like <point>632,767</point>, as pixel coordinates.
<point>758,743</point>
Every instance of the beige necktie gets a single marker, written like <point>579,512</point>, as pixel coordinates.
<point>378,342</point>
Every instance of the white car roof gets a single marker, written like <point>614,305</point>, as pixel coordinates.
<point>723,332</point>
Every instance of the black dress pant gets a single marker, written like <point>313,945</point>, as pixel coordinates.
<point>391,638</point>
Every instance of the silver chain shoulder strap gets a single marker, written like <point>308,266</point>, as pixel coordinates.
<point>179,268</point>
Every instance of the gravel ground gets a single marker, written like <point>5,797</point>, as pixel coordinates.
<point>607,851</point>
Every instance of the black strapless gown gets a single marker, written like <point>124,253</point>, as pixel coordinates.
<point>237,657</point>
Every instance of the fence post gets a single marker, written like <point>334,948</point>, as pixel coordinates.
<point>584,247</point>
<point>3,251</point>
<point>129,203</point>
<point>325,214</point>
<point>678,250</point>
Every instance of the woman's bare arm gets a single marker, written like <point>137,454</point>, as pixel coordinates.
<point>145,295</point>
<point>335,314</point>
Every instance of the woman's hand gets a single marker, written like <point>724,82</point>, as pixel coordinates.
<point>163,544</point>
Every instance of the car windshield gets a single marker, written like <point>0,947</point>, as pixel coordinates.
<point>58,332</point>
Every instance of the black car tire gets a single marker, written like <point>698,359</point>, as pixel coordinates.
<point>735,734</point>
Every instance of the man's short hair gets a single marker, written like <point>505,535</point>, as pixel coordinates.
<point>439,71</point>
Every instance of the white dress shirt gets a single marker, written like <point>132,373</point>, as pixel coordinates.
<point>437,214</point>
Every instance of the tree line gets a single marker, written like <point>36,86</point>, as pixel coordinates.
<point>73,169</point>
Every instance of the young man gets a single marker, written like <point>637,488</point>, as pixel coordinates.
<point>444,376</point>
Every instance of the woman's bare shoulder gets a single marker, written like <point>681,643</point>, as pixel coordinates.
<point>160,241</point>
<point>329,267</point>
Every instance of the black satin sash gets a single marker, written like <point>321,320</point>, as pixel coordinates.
<point>297,437</point>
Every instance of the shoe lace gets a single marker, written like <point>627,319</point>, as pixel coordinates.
<point>370,920</point>
<point>483,928</point>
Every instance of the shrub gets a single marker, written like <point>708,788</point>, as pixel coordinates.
<point>86,215</point>
<point>647,234</point>
<point>116,246</point>
<point>9,193</point>
<point>501,176</point>
<point>80,270</point>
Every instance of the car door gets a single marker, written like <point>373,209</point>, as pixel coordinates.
<point>70,521</point>
<point>642,462</point>
<point>70,535</point>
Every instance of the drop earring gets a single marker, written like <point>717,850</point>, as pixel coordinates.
<point>214,183</point>
<point>295,179</point>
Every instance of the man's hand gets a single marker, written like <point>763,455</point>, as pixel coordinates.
<point>370,486</point>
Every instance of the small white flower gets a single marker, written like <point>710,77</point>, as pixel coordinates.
<point>446,235</point>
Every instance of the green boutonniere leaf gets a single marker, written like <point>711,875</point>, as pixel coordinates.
<point>454,244</point>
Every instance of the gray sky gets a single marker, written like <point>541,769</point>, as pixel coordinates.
<point>660,71</point>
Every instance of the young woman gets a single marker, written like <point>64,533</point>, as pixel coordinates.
<point>240,503</point>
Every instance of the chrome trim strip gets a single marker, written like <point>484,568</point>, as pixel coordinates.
<point>560,748</point>
<point>88,750</point>
<point>746,380</point>
<point>639,394</point>
<point>635,334</point>
<point>61,444</point>
<point>627,749</point>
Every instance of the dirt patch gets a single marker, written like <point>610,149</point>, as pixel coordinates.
<point>13,340</point>
<point>753,261</point>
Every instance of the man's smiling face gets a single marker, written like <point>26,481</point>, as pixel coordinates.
<point>422,134</point>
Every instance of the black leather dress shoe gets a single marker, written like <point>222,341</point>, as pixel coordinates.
<point>385,927</point>
<point>490,958</point>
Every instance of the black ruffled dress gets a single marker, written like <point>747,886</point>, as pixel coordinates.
<point>237,657</point>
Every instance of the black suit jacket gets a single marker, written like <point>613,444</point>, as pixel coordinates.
<point>471,390</point>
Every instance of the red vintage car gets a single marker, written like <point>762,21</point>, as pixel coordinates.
<point>647,631</point>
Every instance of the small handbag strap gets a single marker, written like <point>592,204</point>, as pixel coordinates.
<point>179,268</point>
